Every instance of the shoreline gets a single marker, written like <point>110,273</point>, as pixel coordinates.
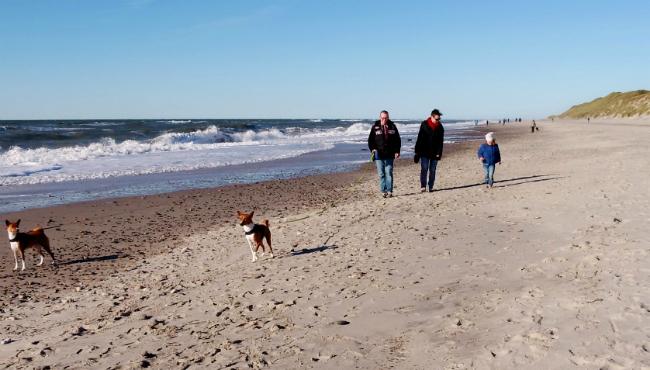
<point>343,157</point>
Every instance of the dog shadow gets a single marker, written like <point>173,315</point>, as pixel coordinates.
<point>312,250</point>
<point>110,257</point>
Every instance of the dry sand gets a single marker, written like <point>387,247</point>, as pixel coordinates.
<point>547,270</point>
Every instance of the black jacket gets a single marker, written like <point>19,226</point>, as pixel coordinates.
<point>386,147</point>
<point>429,142</point>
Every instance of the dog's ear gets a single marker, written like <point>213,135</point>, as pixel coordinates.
<point>18,223</point>
<point>238,213</point>
<point>7,222</point>
<point>252,212</point>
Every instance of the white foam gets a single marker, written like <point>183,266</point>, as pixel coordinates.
<point>208,148</point>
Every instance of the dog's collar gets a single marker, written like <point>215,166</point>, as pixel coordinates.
<point>253,230</point>
<point>14,239</point>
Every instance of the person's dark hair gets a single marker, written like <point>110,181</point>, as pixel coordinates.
<point>384,111</point>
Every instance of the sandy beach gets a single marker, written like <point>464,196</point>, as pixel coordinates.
<point>547,270</point>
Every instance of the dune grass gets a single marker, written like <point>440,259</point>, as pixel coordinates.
<point>617,104</point>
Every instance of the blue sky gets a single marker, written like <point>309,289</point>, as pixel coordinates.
<point>316,59</point>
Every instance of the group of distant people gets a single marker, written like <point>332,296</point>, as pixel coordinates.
<point>384,143</point>
<point>501,121</point>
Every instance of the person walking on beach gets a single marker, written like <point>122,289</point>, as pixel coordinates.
<point>385,143</point>
<point>534,127</point>
<point>489,154</point>
<point>428,148</point>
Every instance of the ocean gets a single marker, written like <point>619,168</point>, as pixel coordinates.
<point>49,162</point>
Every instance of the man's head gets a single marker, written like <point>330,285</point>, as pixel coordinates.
<point>383,117</point>
<point>435,115</point>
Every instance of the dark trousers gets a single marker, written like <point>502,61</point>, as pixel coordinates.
<point>427,165</point>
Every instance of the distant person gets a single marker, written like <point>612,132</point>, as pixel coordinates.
<point>588,119</point>
<point>384,142</point>
<point>534,127</point>
<point>489,154</point>
<point>428,149</point>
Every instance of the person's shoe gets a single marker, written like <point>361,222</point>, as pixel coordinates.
<point>422,190</point>
<point>385,195</point>
<point>430,190</point>
<point>390,195</point>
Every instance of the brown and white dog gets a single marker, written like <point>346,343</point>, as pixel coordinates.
<point>19,242</point>
<point>255,233</point>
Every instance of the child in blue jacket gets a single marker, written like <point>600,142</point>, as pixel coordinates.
<point>488,153</point>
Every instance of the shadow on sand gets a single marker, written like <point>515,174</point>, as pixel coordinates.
<point>312,250</point>
<point>501,183</point>
<point>109,257</point>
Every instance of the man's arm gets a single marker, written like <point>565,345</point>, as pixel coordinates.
<point>399,143</point>
<point>441,142</point>
<point>371,139</point>
<point>418,141</point>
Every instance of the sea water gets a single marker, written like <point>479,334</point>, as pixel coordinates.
<point>60,161</point>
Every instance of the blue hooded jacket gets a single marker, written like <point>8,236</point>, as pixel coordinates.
<point>490,154</point>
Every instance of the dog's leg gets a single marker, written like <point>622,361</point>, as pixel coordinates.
<point>15,260</point>
<point>46,246</point>
<point>39,250</point>
<point>268,241</point>
<point>22,258</point>
<point>253,251</point>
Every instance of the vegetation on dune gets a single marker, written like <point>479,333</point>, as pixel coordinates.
<point>615,105</point>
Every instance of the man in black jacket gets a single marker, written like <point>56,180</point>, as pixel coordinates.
<point>384,143</point>
<point>428,148</point>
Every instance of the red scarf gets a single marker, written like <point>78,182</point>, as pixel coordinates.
<point>433,125</point>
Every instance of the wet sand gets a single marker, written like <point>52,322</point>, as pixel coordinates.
<point>545,270</point>
<point>97,239</point>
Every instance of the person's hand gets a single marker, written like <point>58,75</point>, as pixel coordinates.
<point>481,159</point>
<point>438,158</point>
<point>396,155</point>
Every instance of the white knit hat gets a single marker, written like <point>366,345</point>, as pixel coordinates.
<point>489,136</point>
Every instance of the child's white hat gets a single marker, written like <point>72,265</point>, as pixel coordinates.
<point>489,136</point>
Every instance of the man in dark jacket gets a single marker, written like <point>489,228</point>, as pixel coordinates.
<point>428,148</point>
<point>385,144</point>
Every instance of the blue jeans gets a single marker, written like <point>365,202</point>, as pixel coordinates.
<point>427,165</point>
<point>385,171</point>
<point>489,173</point>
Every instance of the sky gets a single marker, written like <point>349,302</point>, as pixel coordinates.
<point>86,59</point>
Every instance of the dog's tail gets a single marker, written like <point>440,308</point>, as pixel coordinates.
<point>266,222</point>
<point>37,231</point>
